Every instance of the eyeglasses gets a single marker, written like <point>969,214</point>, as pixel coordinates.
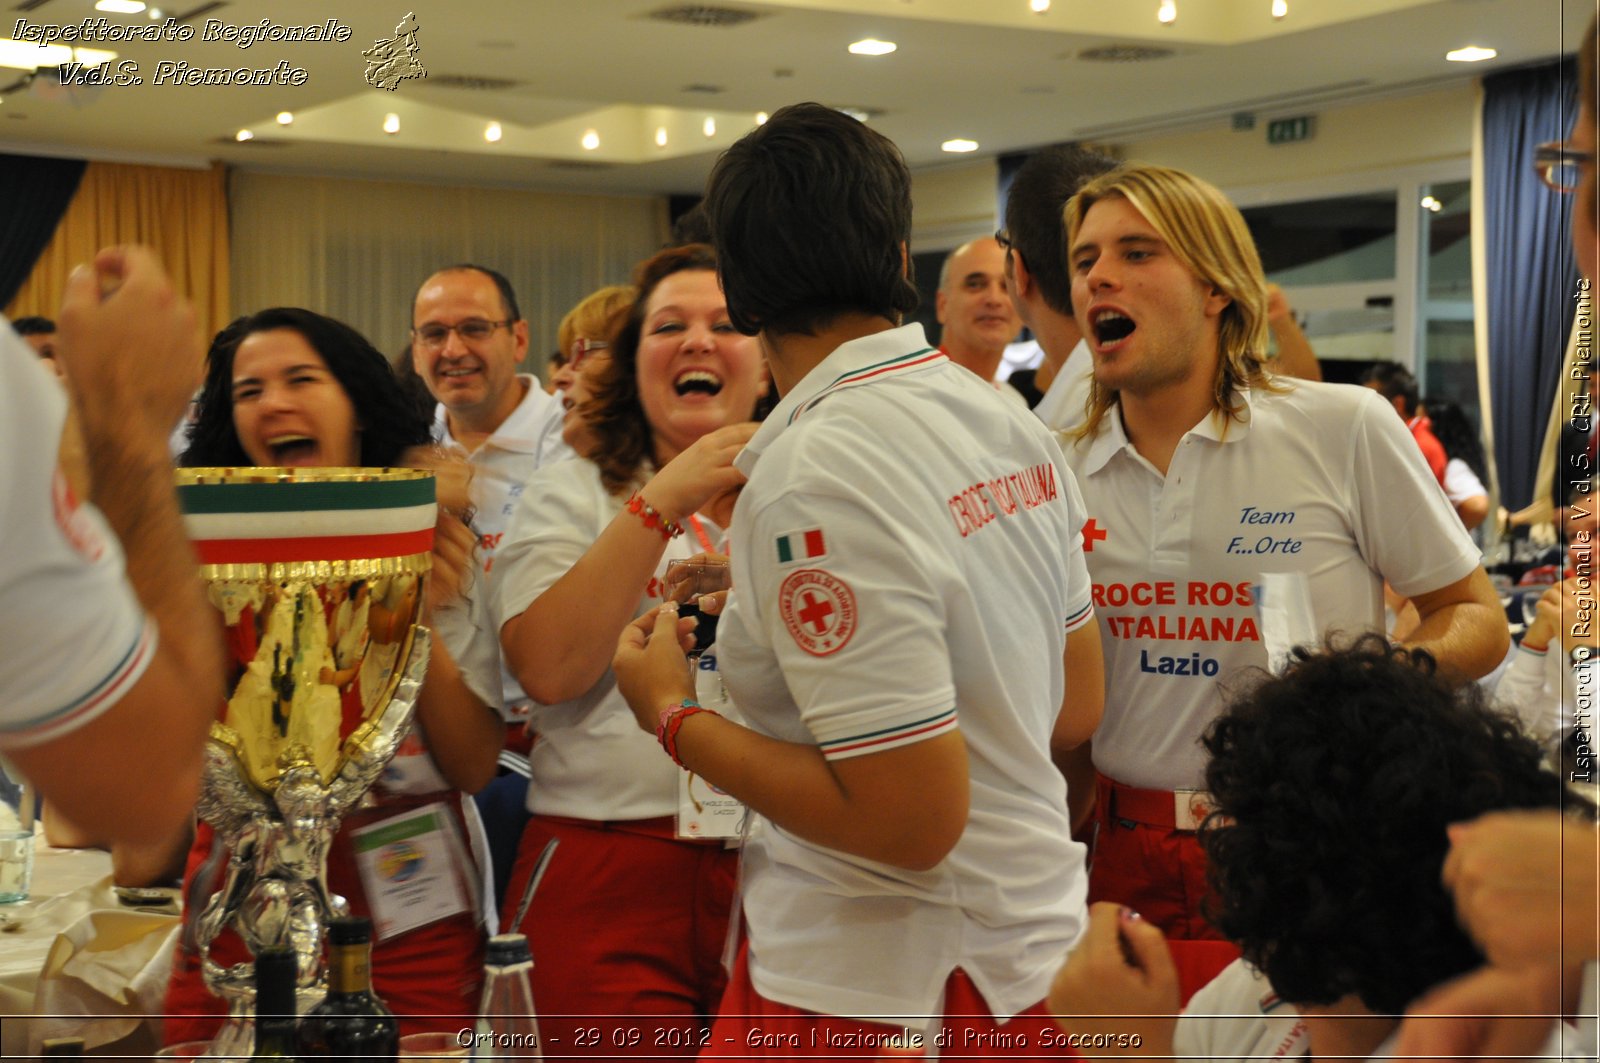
<point>582,348</point>
<point>1560,166</point>
<point>472,330</point>
<point>1002,238</point>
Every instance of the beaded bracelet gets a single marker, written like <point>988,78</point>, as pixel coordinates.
<point>671,720</point>
<point>669,529</point>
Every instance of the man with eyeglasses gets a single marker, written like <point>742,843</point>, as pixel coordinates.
<point>467,340</point>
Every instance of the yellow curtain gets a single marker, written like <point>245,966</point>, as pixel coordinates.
<point>182,214</point>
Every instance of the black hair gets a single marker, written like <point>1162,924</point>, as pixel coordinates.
<point>1456,434</point>
<point>389,419</point>
<point>1392,379</point>
<point>508,296</point>
<point>1034,204</point>
<point>33,326</point>
<point>811,217</point>
<point>1332,785</point>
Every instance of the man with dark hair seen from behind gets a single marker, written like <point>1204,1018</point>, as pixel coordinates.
<point>110,674</point>
<point>1398,387</point>
<point>1036,273</point>
<point>909,625</point>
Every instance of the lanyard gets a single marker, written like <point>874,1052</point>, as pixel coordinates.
<point>700,533</point>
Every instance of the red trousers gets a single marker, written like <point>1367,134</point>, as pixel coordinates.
<point>429,977</point>
<point>753,1027</point>
<point>627,929</point>
<point>1157,871</point>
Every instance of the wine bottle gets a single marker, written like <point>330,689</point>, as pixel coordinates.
<point>351,1022</point>
<point>507,1027</point>
<point>276,974</point>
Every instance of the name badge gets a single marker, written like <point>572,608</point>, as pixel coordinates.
<point>703,810</point>
<point>408,868</point>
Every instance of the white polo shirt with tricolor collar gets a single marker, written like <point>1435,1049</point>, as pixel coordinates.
<point>1320,479</point>
<point>906,560</point>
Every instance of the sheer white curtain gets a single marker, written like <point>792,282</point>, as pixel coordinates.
<point>356,250</point>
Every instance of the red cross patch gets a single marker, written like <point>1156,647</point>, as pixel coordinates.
<point>819,609</point>
<point>1092,533</point>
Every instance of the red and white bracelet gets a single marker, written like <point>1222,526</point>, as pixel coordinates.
<point>669,529</point>
<point>671,720</point>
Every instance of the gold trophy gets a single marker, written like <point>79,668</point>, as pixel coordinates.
<point>317,575</point>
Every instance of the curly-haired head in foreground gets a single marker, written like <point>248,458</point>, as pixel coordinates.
<point>1332,787</point>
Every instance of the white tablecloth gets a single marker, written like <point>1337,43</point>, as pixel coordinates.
<point>78,962</point>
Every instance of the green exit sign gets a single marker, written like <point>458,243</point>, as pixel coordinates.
<point>1289,130</point>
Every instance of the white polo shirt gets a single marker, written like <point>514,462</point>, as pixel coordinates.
<point>906,560</point>
<point>1321,479</point>
<point>73,636</point>
<point>1062,405</point>
<point>527,440</point>
<point>591,761</point>
<point>1237,1018</point>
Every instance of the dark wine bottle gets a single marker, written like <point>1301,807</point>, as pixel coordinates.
<point>276,975</point>
<point>351,1022</point>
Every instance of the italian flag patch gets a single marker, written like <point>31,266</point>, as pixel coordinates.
<point>801,546</point>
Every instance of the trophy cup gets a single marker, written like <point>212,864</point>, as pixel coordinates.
<point>318,575</point>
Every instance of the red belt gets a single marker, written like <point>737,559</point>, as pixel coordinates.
<point>1172,809</point>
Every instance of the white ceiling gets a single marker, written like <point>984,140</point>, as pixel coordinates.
<point>988,70</point>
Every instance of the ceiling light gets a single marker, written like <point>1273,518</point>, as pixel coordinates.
<point>854,112</point>
<point>155,13</point>
<point>1430,203</point>
<point>1471,54</point>
<point>709,126</point>
<point>243,135</point>
<point>960,145</point>
<point>1167,13</point>
<point>1039,6</point>
<point>391,124</point>
<point>285,118</point>
<point>120,7</point>
<point>761,117</point>
<point>26,55</point>
<point>661,136</point>
<point>872,47</point>
<point>591,140</point>
<point>1280,8</point>
<point>492,132</point>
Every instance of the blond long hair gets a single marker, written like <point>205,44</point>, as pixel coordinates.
<point>1208,235</point>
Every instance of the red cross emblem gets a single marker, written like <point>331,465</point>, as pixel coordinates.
<point>1092,533</point>
<point>819,609</point>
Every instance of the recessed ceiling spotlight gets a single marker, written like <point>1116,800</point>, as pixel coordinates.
<point>155,13</point>
<point>1167,13</point>
<point>1280,8</point>
<point>1039,6</point>
<point>960,145</point>
<point>120,7</point>
<point>761,117</point>
<point>492,132</point>
<point>709,126</point>
<point>661,136</point>
<point>872,47</point>
<point>391,123</point>
<point>285,118</point>
<point>1471,54</point>
<point>1430,203</point>
<point>591,140</point>
<point>243,135</point>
